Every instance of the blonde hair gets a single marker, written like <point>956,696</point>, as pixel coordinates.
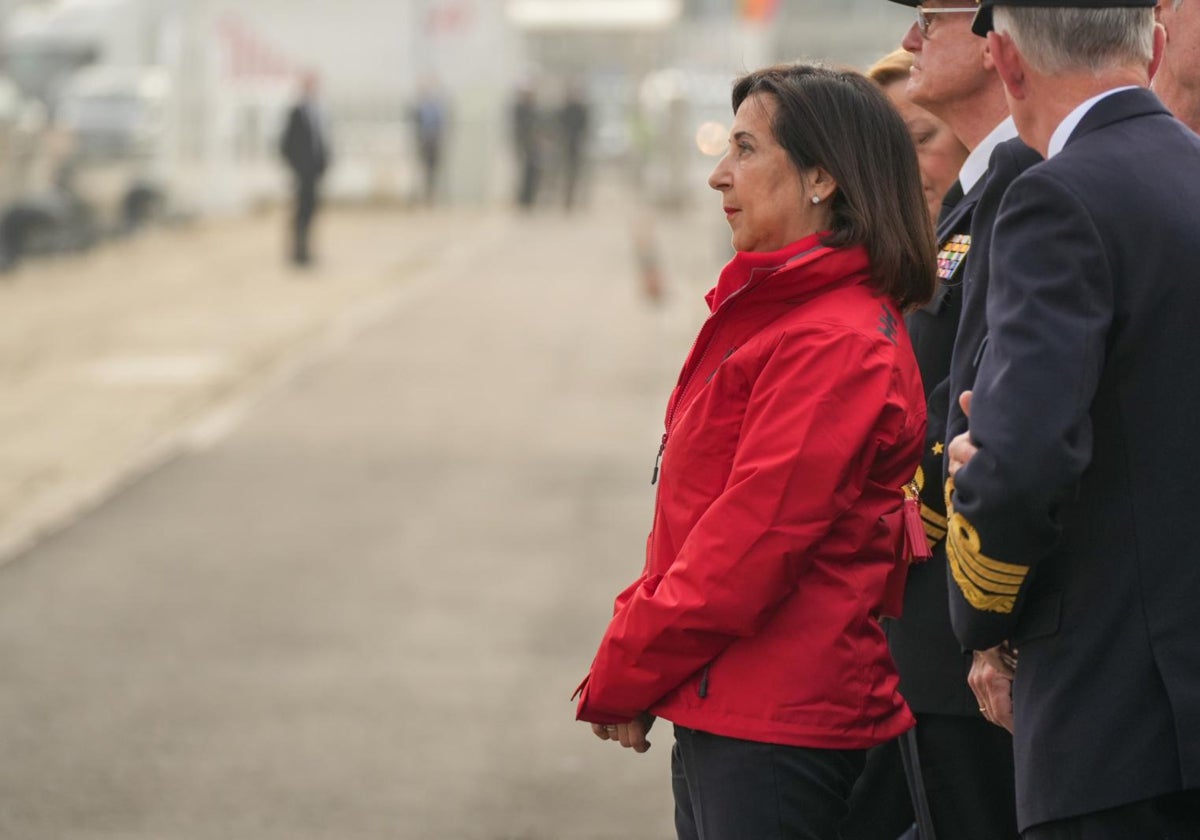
<point>896,66</point>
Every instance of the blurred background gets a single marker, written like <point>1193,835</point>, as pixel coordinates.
<point>190,95</point>
<point>321,550</point>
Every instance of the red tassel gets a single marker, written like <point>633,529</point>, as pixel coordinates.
<point>916,546</point>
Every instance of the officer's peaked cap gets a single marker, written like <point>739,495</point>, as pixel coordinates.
<point>983,18</point>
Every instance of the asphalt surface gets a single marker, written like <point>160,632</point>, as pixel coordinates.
<point>341,582</point>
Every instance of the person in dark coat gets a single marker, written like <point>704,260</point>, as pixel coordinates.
<point>305,147</point>
<point>430,118</point>
<point>958,767</point>
<point>574,120</point>
<point>527,144</point>
<point>1070,492</point>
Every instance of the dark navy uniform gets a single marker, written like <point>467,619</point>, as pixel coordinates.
<point>964,763</point>
<point>1009,159</point>
<point>932,666</point>
<point>1067,530</point>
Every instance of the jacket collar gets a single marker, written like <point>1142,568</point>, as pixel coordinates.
<point>804,267</point>
<point>1122,105</point>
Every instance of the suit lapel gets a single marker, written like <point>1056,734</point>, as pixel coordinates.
<point>953,197</point>
<point>953,242</point>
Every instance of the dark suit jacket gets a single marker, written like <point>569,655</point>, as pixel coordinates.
<point>1009,159</point>
<point>303,146</point>
<point>933,668</point>
<point>1067,533</point>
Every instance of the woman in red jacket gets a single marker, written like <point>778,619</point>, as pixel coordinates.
<point>796,422</point>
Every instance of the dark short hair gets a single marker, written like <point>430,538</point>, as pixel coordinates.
<point>840,121</point>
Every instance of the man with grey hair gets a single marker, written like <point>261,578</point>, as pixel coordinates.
<point>1177,81</point>
<point>1067,505</point>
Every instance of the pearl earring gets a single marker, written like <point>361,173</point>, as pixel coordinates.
<point>816,199</point>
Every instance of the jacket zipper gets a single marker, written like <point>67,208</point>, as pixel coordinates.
<point>683,393</point>
<point>661,448</point>
<point>702,690</point>
<point>687,383</point>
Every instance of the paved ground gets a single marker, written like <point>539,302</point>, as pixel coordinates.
<point>378,520</point>
<point>105,359</point>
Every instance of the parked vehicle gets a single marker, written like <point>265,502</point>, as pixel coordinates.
<point>117,120</point>
<point>32,207</point>
<point>138,124</point>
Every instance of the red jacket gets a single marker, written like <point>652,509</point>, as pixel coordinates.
<point>797,419</point>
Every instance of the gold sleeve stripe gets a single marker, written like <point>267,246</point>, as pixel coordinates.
<point>971,570</point>
<point>932,516</point>
<point>963,533</point>
<point>988,584</point>
<point>936,531</point>
<point>976,597</point>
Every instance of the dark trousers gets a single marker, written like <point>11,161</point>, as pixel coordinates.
<point>530,175</point>
<point>966,765</point>
<point>730,789</point>
<point>431,155</point>
<point>879,807</point>
<point>572,171</point>
<point>1175,816</point>
<point>965,770</point>
<point>305,207</point>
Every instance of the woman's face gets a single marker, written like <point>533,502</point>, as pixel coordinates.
<point>940,154</point>
<point>767,201</point>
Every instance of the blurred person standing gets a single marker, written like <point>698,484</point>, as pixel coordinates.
<point>430,116</point>
<point>1177,81</point>
<point>1066,494</point>
<point>527,145</point>
<point>574,122</point>
<point>305,147</point>
<point>796,422</point>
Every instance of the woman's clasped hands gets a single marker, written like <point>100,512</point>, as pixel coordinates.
<point>631,735</point>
